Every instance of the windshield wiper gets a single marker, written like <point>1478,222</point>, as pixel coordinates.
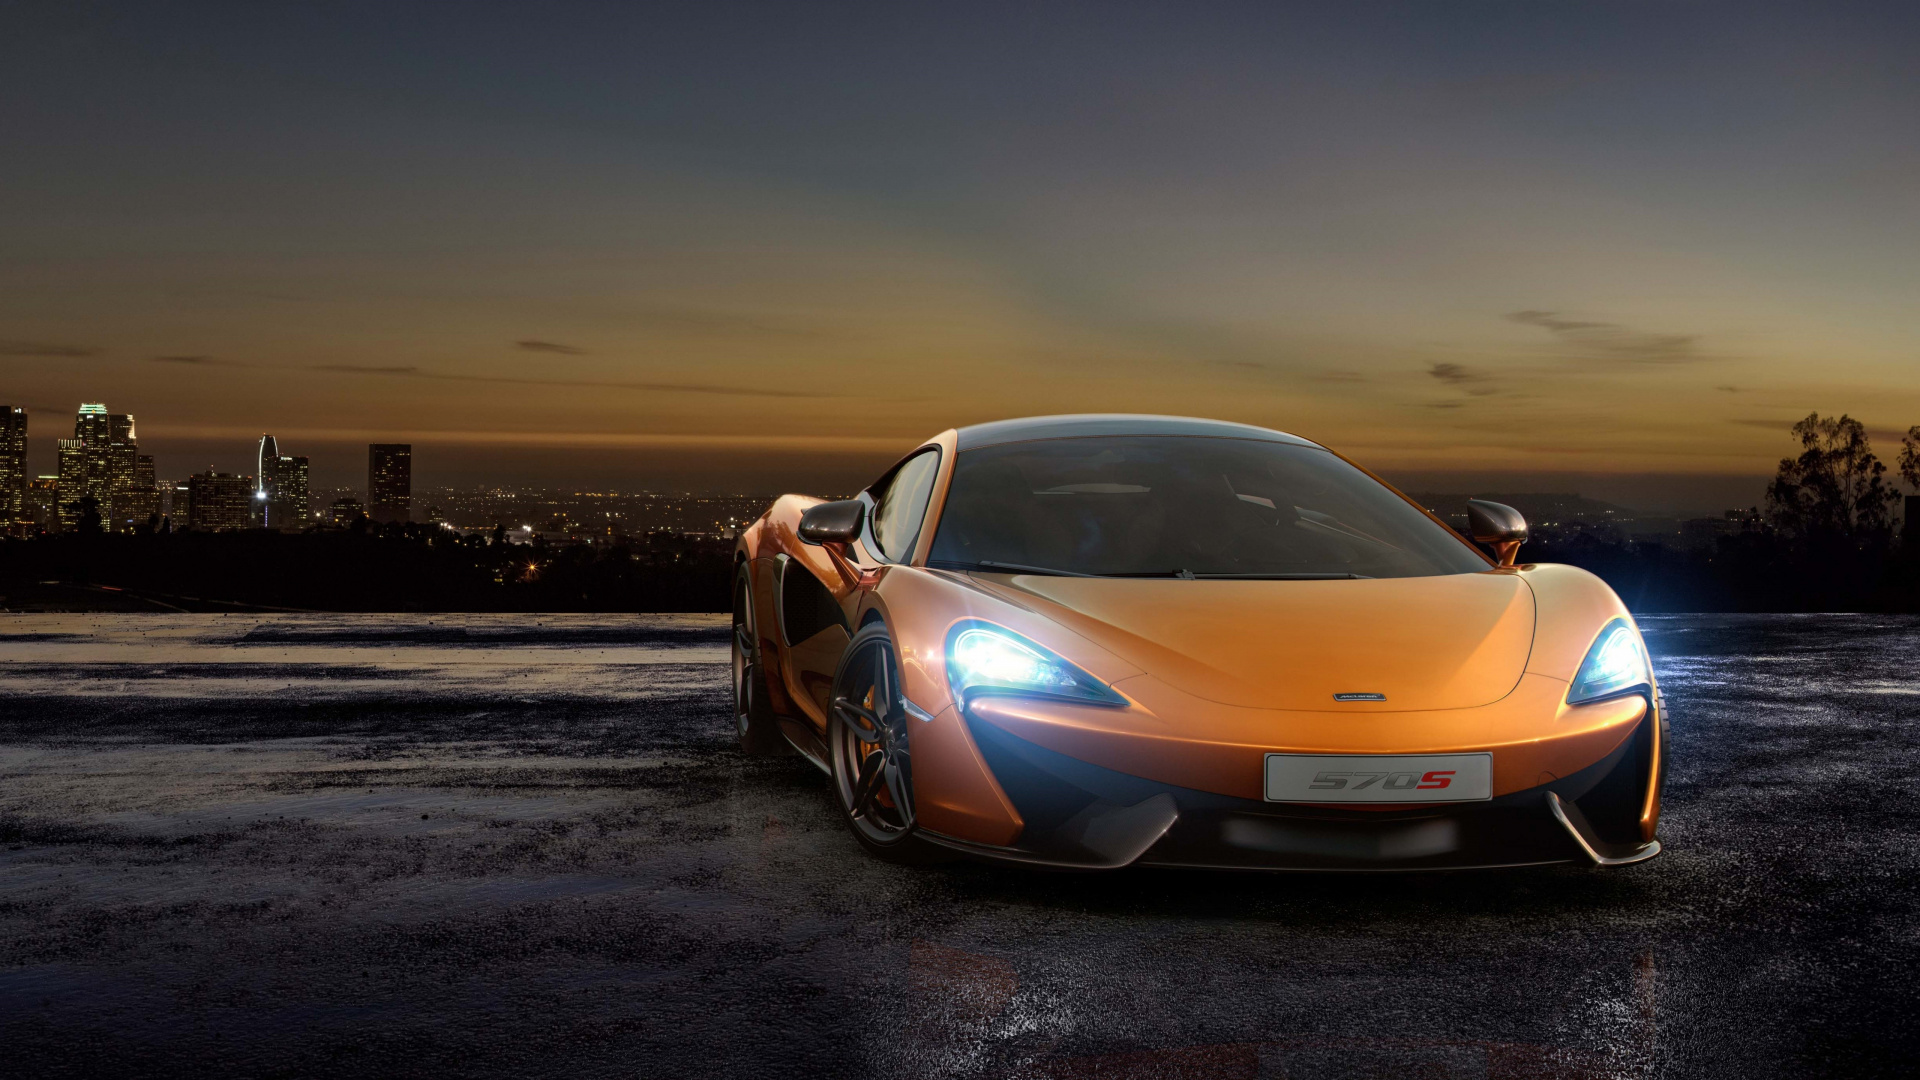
<point>988,564</point>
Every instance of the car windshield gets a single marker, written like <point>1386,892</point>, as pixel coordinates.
<point>1183,506</point>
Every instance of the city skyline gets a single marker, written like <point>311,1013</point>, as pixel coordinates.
<point>1657,496</point>
<point>1591,248</point>
<point>97,480</point>
<point>105,485</point>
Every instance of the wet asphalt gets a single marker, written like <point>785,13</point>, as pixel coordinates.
<point>504,845</point>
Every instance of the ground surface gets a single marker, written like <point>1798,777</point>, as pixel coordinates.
<point>353,846</point>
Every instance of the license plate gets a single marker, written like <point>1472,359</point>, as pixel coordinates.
<point>1379,778</point>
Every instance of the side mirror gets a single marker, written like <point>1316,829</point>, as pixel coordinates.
<point>1499,526</point>
<point>833,522</point>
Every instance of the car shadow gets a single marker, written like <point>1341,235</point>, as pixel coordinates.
<point>1330,899</point>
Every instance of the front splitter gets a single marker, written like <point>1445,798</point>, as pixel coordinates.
<point>1085,817</point>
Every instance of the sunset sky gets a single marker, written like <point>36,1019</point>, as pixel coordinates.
<point>1615,248</point>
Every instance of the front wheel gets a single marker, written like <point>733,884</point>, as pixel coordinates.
<point>869,744</point>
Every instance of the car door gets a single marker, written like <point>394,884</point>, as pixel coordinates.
<point>816,604</point>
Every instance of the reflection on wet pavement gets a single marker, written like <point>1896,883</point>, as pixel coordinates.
<point>314,845</point>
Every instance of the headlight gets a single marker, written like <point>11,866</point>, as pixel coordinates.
<point>1617,663</point>
<point>982,660</point>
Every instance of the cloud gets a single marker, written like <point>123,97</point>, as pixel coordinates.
<point>1612,341</point>
<point>592,384</point>
<point>891,445</point>
<point>41,348</point>
<point>1446,404</point>
<point>1880,436</point>
<point>1731,389</point>
<point>202,361</point>
<point>1455,374</point>
<point>715,321</point>
<point>549,347</point>
<point>1286,369</point>
<point>1463,378</point>
<point>1553,322</point>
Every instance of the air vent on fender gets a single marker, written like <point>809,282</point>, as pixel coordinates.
<point>806,607</point>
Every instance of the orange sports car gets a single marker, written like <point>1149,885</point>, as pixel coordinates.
<point>1102,641</point>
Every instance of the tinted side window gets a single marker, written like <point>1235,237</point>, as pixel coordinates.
<point>901,506</point>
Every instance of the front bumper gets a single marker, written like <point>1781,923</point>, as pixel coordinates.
<point>1083,816</point>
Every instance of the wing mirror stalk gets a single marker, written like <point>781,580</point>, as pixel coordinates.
<point>834,526</point>
<point>1499,526</point>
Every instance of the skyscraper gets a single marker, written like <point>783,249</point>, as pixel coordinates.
<point>141,501</point>
<point>280,488</point>
<point>73,477</point>
<point>266,464</point>
<point>90,424</point>
<point>122,461</point>
<point>98,463</point>
<point>269,460</point>
<point>390,481</point>
<point>217,500</point>
<point>13,467</point>
<point>41,504</point>
<point>291,497</point>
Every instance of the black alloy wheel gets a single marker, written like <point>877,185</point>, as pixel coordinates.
<point>869,740</point>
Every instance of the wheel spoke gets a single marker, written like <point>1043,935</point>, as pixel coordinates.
<point>902,797</point>
<point>743,639</point>
<point>858,717</point>
<point>873,772</point>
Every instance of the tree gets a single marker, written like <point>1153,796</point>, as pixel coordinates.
<point>1910,457</point>
<point>1836,492</point>
<point>86,512</point>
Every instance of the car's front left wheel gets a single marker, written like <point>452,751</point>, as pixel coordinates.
<point>869,744</point>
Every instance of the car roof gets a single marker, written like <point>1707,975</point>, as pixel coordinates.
<point>1087,425</point>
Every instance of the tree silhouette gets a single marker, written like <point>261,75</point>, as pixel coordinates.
<point>1835,494</point>
<point>86,511</point>
<point>1910,457</point>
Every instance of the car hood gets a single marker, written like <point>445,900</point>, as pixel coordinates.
<point>1450,642</point>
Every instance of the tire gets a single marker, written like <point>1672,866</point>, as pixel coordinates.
<point>869,751</point>
<point>754,725</point>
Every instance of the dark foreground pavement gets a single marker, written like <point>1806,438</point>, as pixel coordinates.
<point>277,846</point>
